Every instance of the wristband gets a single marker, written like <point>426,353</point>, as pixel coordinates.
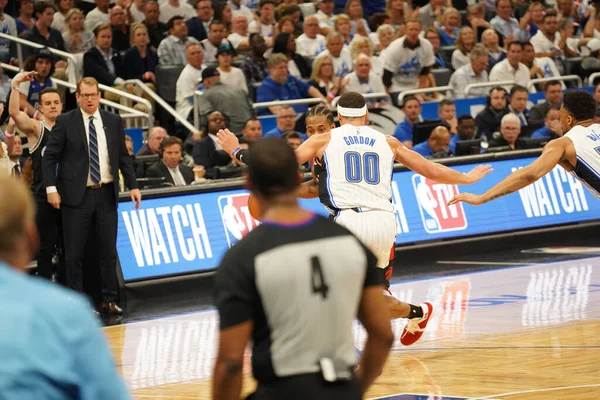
<point>234,151</point>
<point>8,134</point>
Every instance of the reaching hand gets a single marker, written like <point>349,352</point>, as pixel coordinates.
<point>24,77</point>
<point>136,197</point>
<point>472,199</point>
<point>479,172</point>
<point>227,140</point>
<point>54,199</point>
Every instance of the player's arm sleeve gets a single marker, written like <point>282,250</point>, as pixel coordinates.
<point>374,276</point>
<point>242,156</point>
<point>235,293</point>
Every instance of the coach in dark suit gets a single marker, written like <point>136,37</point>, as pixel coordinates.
<point>169,166</point>
<point>88,145</point>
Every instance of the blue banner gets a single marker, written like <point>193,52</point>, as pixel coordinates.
<point>190,233</point>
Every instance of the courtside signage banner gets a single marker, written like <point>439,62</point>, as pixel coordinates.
<point>189,233</point>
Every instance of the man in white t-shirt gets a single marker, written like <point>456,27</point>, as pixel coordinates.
<point>342,60</point>
<point>311,42</point>
<point>240,9</point>
<point>239,37</point>
<point>216,37</point>
<point>548,42</point>
<point>98,15</point>
<point>511,69</point>
<point>264,25</point>
<point>231,76</point>
<point>408,60</point>
<point>325,15</point>
<point>136,10</point>
<point>188,79</point>
<point>175,7</point>
<point>363,81</point>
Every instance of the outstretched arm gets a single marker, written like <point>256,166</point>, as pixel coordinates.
<point>437,172</point>
<point>552,154</point>
<point>22,120</point>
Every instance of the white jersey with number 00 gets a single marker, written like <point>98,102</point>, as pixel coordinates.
<point>587,148</point>
<point>358,163</point>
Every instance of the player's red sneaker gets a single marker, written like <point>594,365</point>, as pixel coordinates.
<point>415,327</point>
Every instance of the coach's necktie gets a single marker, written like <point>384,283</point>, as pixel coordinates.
<point>94,155</point>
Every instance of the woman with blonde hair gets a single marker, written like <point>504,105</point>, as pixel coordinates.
<point>464,44</point>
<point>399,11</point>
<point>358,23</point>
<point>140,60</point>
<point>362,45</point>
<point>77,39</point>
<point>324,79</point>
<point>342,25</point>
<point>450,27</point>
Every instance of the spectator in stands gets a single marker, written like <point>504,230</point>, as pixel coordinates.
<point>170,166</point>
<point>342,61</point>
<point>510,128</point>
<point>129,144</point>
<point>293,139</point>
<point>223,13</point>
<point>476,19</point>
<point>7,26</point>
<point>553,95</point>
<point>266,21</point>
<point>358,23</point>
<point>447,114</point>
<point>362,45</point>
<point>232,101</point>
<point>464,44</point>
<point>451,21</point>
<point>41,62</point>
<point>255,66</point>
<point>341,25</point>
<point>198,25</point>
<point>286,121</point>
<point>140,61</point>
<point>311,42</point>
<point>412,115</point>
<point>252,131</point>
<point>156,29</point>
<point>490,40</point>
<point>216,37</point>
<point>551,128</point>
<point>120,29</point>
<point>280,85</point>
<point>136,11</point>
<point>549,42</point>
<point>239,37</point>
<point>597,93</point>
<point>285,43</point>
<point>385,37</point>
<point>408,61</point>
<point>399,12</point>
<point>504,23</point>
<point>323,79</point>
<point>428,14</point>
<point>231,76</point>
<point>62,7</point>
<point>43,34</point>
<point>77,39</point>
<point>363,81</point>
<point>207,152</point>
<point>172,50</point>
<point>433,36</point>
<point>531,21</point>
<point>592,26</point>
<point>26,20</point>
<point>517,104</point>
<point>5,86</point>
<point>152,145</point>
<point>285,24</point>
<point>16,161</point>
<point>239,9</point>
<point>325,15</point>
<point>436,145</point>
<point>97,16</point>
<point>465,131</point>
<point>172,8</point>
<point>474,72</point>
<point>187,82</point>
<point>101,62</point>
<point>511,69</point>
<point>488,121</point>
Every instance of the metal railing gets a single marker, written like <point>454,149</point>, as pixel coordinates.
<point>141,87</point>
<point>367,96</point>
<point>488,84</point>
<point>592,78</point>
<point>196,109</point>
<point>556,78</point>
<point>295,102</point>
<point>405,93</point>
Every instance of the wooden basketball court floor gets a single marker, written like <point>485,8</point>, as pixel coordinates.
<point>529,332</point>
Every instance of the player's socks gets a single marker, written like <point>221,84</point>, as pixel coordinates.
<point>415,312</point>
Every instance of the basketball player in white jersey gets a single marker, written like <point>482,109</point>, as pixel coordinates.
<point>578,152</point>
<point>355,184</point>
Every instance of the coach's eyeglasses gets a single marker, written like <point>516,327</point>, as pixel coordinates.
<point>89,95</point>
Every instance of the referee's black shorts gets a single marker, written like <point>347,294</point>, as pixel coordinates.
<point>307,386</point>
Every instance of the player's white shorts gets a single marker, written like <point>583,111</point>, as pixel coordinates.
<point>376,229</point>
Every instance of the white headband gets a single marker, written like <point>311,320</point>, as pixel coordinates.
<point>352,112</point>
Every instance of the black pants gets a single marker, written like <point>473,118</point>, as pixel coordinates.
<point>95,219</point>
<point>308,386</point>
<point>48,225</point>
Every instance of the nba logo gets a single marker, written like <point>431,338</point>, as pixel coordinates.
<point>432,198</point>
<point>236,217</point>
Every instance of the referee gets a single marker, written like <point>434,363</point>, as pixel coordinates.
<point>294,285</point>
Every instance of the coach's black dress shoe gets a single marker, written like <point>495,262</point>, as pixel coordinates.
<point>111,308</point>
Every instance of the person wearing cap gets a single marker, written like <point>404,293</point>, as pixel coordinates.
<point>232,101</point>
<point>231,76</point>
<point>188,79</point>
<point>216,37</point>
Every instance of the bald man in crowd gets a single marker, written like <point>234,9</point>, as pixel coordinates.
<point>437,144</point>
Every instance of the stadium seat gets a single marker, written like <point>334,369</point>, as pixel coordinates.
<point>446,53</point>
<point>166,78</point>
<point>442,76</point>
